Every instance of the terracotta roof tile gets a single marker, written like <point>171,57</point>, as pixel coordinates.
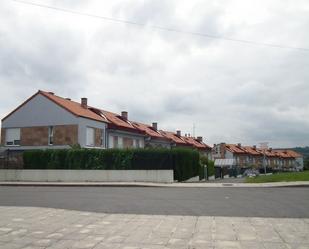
<point>252,151</point>
<point>288,153</point>
<point>73,107</point>
<point>192,141</point>
<point>149,130</point>
<point>235,149</point>
<point>116,121</point>
<point>172,136</point>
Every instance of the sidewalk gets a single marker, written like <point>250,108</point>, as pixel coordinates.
<point>38,228</point>
<point>148,184</point>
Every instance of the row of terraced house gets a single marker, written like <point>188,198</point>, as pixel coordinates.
<point>245,157</point>
<point>46,120</point>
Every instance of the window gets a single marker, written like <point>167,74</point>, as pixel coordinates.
<point>120,142</point>
<point>110,141</point>
<point>12,136</point>
<point>137,143</point>
<point>115,144</point>
<point>102,138</point>
<point>90,136</point>
<point>51,135</point>
<point>134,143</point>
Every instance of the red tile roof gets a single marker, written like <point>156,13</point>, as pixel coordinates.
<point>288,153</point>
<point>193,142</point>
<point>235,149</point>
<point>74,107</point>
<point>252,151</point>
<point>268,152</point>
<point>172,136</point>
<point>149,131</point>
<point>116,121</point>
<point>71,106</point>
<point>260,152</point>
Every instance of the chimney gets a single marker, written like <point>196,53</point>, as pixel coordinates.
<point>254,147</point>
<point>155,126</point>
<point>84,102</point>
<point>200,139</point>
<point>239,144</point>
<point>51,93</point>
<point>67,98</point>
<point>124,115</point>
<point>178,133</point>
<point>270,149</point>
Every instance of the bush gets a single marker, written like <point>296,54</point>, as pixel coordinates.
<point>184,162</point>
<point>203,163</point>
<point>306,164</point>
<point>210,167</point>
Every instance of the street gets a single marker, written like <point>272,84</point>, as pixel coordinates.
<point>233,202</point>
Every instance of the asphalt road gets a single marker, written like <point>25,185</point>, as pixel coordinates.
<point>240,202</point>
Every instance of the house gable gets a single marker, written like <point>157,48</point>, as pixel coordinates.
<point>38,111</point>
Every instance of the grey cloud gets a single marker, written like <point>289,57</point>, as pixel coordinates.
<point>233,92</point>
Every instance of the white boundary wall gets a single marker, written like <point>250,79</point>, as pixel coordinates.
<point>165,176</point>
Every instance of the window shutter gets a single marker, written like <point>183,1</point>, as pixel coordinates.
<point>90,137</point>
<point>12,136</point>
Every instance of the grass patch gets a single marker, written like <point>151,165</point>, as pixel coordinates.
<point>281,177</point>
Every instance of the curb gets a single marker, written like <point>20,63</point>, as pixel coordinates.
<point>162,185</point>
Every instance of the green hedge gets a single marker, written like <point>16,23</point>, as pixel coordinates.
<point>210,167</point>
<point>184,162</point>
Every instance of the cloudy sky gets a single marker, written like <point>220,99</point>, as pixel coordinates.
<point>233,92</point>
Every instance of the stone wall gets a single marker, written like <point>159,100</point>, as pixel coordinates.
<point>98,137</point>
<point>34,136</point>
<point>65,134</point>
<point>38,136</point>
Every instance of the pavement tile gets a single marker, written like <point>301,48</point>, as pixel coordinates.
<point>275,245</point>
<point>62,244</point>
<point>227,244</point>
<point>64,229</point>
<point>251,245</point>
<point>11,246</point>
<point>43,242</point>
<point>107,246</point>
<point>299,246</point>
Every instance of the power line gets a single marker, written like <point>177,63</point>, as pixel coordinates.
<point>143,25</point>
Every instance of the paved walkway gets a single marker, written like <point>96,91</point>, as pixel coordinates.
<point>208,184</point>
<point>38,228</point>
